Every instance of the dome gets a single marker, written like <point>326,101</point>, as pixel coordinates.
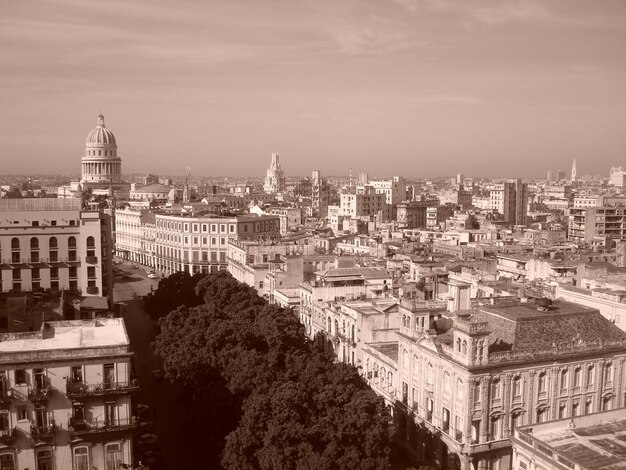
<point>101,136</point>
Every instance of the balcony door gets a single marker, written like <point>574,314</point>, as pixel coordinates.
<point>109,414</point>
<point>44,460</point>
<point>109,375</point>
<point>113,457</point>
<point>41,417</point>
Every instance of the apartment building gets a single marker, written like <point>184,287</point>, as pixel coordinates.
<point>53,244</point>
<point>340,284</point>
<point>365,202</point>
<point>511,200</point>
<point>66,397</point>
<point>603,224</point>
<point>470,379</point>
<point>180,242</point>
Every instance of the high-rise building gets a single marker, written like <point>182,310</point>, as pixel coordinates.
<point>574,171</point>
<point>511,200</point>
<point>617,177</point>
<point>319,195</point>
<point>275,177</point>
<point>459,178</point>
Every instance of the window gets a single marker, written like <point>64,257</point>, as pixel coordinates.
<point>20,377</point>
<point>577,377</point>
<point>44,460</point>
<point>589,406</point>
<point>81,458</point>
<point>15,244</point>
<point>73,271</point>
<point>430,376</point>
<point>562,410</point>
<point>54,273</point>
<point>22,413</point>
<point>76,373</point>
<point>607,403</point>
<point>517,386</point>
<point>516,420</point>
<point>460,392</point>
<point>113,457</point>
<point>608,372</point>
<point>17,274</point>
<point>7,462</point>
<point>91,272</point>
<point>541,382</point>
<point>575,409</point>
<point>564,379</point>
<point>464,347</point>
<point>495,428</point>
<point>34,243</point>
<point>590,374</point>
<point>71,242</point>
<point>496,390</point>
<point>40,379</point>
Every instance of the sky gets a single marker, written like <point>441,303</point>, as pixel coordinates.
<point>389,87</point>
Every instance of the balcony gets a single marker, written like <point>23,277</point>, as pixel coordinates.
<point>92,289</point>
<point>91,259</point>
<point>44,432</point>
<point>7,436</point>
<point>80,389</point>
<point>82,427</point>
<point>39,394</point>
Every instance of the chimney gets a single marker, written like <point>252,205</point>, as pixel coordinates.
<point>47,330</point>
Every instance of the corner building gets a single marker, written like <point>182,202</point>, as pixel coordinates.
<point>66,397</point>
<point>470,380</point>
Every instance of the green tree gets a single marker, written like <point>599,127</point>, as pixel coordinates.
<point>173,291</point>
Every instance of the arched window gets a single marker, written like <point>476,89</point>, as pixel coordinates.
<point>541,382</point>
<point>376,372</point>
<point>430,375</point>
<point>590,375</point>
<point>446,382</point>
<point>405,359</point>
<point>608,372</point>
<point>389,378</point>
<point>15,244</point>
<point>517,386</point>
<point>352,334</point>
<point>464,348</point>
<point>336,327</point>
<point>416,365</point>
<point>71,242</point>
<point>458,344</point>
<point>330,325</point>
<point>577,377</point>
<point>460,391</point>
<point>34,243</point>
<point>53,243</point>
<point>91,242</point>
<point>564,379</point>
<point>383,378</point>
<point>496,389</point>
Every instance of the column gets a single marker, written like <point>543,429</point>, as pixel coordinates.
<point>469,409</point>
<point>601,366</point>
<point>530,397</point>
<point>506,400</point>
<point>554,393</point>
<point>619,380</point>
<point>484,428</point>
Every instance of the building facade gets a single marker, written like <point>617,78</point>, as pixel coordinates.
<point>275,177</point>
<point>67,397</point>
<point>53,244</point>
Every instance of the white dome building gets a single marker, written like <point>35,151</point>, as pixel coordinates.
<point>100,163</point>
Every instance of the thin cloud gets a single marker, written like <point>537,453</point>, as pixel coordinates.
<point>453,99</point>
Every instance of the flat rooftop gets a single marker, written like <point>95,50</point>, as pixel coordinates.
<point>64,335</point>
<point>594,442</point>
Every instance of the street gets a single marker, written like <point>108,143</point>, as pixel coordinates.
<point>161,396</point>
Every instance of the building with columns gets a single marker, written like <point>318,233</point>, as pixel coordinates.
<point>101,167</point>
<point>470,378</point>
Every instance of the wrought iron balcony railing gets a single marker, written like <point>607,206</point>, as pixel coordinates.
<point>78,389</point>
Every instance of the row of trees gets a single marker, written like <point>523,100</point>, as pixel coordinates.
<point>260,395</point>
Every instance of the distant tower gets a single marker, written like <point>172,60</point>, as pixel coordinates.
<point>350,176</point>
<point>186,187</point>
<point>275,177</point>
<point>574,171</point>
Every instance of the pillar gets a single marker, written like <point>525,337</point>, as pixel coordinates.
<point>506,397</point>
<point>484,428</point>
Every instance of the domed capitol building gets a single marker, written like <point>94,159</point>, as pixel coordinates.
<point>101,167</point>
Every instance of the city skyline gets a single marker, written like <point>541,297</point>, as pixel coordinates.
<point>422,88</point>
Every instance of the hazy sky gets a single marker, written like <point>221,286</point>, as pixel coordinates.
<point>413,87</point>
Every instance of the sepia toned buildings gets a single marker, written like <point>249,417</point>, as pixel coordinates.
<point>66,397</point>
<point>53,244</point>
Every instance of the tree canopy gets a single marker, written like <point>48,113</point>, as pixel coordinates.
<point>274,399</point>
<point>173,291</point>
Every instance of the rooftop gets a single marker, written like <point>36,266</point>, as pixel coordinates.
<point>594,442</point>
<point>64,335</point>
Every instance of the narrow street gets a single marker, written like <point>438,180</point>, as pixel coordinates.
<point>161,396</point>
